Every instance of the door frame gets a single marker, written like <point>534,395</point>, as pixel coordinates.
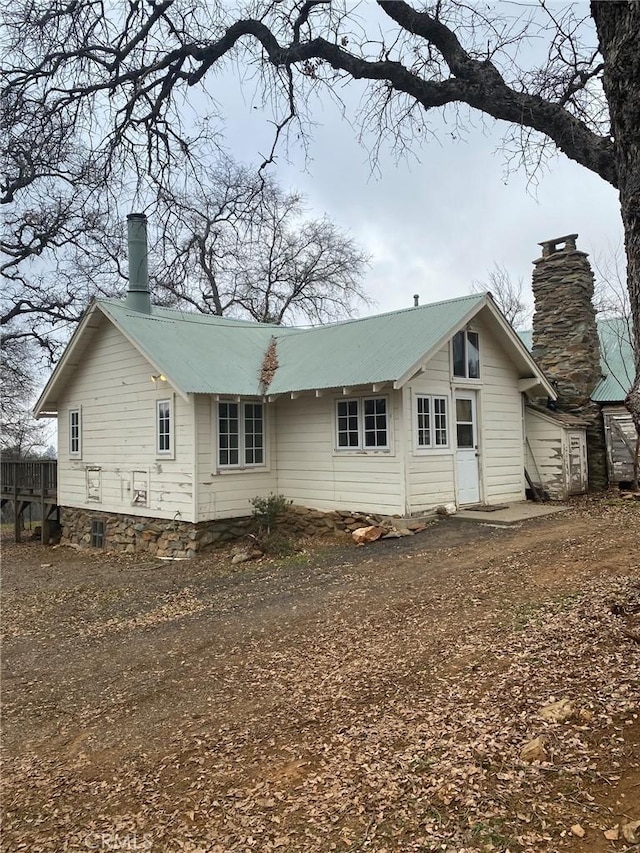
<point>472,395</point>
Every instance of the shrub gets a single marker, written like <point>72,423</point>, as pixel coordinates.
<point>266,510</point>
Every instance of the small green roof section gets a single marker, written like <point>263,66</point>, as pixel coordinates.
<point>616,359</point>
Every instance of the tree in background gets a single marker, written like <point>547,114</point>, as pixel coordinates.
<point>236,244</point>
<point>240,245</point>
<point>21,436</point>
<point>508,294</point>
<point>121,78</point>
<point>611,299</point>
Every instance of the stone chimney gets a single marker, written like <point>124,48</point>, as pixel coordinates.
<point>138,296</point>
<point>565,339</point>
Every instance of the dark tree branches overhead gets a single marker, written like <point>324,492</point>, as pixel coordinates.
<point>564,79</point>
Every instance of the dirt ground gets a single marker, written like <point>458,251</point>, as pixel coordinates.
<point>339,699</point>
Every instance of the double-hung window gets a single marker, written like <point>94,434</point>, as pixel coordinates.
<point>240,434</point>
<point>362,424</point>
<point>164,427</point>
<point>466,355</point>
<point>75,433</point>
<point>432,430</point>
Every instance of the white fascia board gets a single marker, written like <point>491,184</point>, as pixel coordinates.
<point>429,354</point>
<point>523,351</point>
<point>134,343</point>
<point>39,410</point>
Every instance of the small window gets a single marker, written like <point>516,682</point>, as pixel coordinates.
<point>241,434</point>
<point>362,424</point>
<point>375,423</point>
<point>466,355</point>
<point>164,441</point>
<point>348,430</point>
<point>97,533</point>
<point>432,422</point>
<point>75,432</point>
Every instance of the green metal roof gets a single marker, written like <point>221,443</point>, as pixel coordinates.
<point>372,350</point>
<point>217,355</point>
<point>205,354</point>
<point>199,353</point>
<point>616,359</point>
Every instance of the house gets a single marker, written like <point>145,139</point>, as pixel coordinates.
<point>590,363</point>
<point>165,416</point>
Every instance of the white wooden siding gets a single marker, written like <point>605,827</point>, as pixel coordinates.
<point>500,422</point>
<point>113,387</point>
<point>545,462</point>
<point>431,473</point>
<point>227,494</point>
<point>312,473</point>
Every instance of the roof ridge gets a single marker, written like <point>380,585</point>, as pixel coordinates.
<point>193,316</point>
<point>353,320</point>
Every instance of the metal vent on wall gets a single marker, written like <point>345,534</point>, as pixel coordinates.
<point>97,534</point>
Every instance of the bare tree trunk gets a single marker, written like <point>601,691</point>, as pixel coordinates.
<point>618,26</point>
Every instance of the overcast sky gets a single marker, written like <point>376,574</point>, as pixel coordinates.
<point>432,227</point>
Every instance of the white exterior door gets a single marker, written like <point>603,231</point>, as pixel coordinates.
<point>467,473</point>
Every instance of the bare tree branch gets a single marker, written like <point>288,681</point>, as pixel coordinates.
<point>507,293</point>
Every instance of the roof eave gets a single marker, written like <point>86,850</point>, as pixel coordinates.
<point>162,369</point>
<point>428,355</point>
<point>521,348</point>
<point>45,398</point>
<point>44,406</point>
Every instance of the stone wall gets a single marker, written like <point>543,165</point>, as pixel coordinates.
<point>161,538</point>
<point>565,340</point>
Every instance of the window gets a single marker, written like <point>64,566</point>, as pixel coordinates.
<point>240,434</point>
<point>75,433</point>
<point>432,429</point>
<point>348,429</point>
<point>466,355</point>
<point>97,533</point>
<point>253,434</point>
<point>164,440</point>
<point>362,423</point>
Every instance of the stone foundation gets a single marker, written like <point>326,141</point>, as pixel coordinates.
<point>163,538</point>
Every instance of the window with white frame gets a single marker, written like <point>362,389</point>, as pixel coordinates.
<point>75,432</point>
<point>164,427</point>
<point>240,434</point>
<point>362,423</point>
<point>432,429</point>
<point>466,355</point>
